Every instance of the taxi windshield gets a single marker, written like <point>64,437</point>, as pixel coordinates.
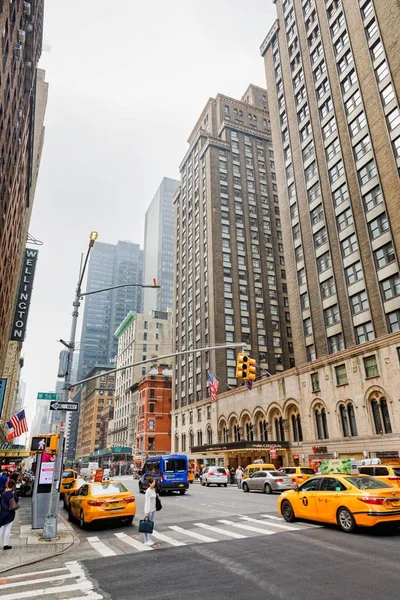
<point>367,483</point>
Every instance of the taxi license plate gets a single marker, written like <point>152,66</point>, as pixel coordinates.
<point>395,502</point>
<point>112,505</point>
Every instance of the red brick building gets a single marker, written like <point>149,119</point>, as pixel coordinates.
<point>153,423</point>
<point>21,25</point>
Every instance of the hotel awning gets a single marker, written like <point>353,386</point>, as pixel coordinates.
<point>239,446</point>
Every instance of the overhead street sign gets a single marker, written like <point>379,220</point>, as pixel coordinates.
<point>48,396</point>
<point>68,406</point>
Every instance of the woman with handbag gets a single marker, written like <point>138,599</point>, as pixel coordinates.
<point>8,506</point>
<point>150,508</point>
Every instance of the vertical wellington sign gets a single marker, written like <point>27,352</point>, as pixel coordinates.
<point>18,329</point>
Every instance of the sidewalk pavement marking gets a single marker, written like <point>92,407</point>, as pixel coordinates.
<point>246,527</point>
<point>81,586</point>
<point>278,525</point>
<point>127,539</point>
<point>232,534</point>
<point>281,519</point>
<point>100,546</point>
<point>8,578</point>
<point>198,536</point>
<point>41,580</point>
<point>166,538</point>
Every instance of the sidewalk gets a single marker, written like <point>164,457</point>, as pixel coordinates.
<point>27,543</point>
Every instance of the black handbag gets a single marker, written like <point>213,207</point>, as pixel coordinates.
<point>146,526</point>
<point>158,503</point>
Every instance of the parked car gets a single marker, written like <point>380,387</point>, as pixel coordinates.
<point>215,475</point>
<point>298,474</point>
<point>250,469</point>
<point>388,473</point>
<point>73,486</point>
<point>268,482</point>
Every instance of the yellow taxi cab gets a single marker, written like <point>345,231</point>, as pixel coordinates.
<point>67,478</point>
<point>72,487</point>
<point>388,473</point>
<point>250,469</point>
<point>298,474</point>
<point>345,500</point>
<point>101,500</point>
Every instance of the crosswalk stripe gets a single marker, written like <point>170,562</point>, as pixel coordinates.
<point>132,542</point>
<point>273,524</point>
<point>15,584</point>
<point>62,589</point>
<point>198,536</point>
<point>166,538</point>
<point>100,546</point>
<point>232,534</point>
<point>281,519</point>
<point>246,527</point>
<point>23,575</point>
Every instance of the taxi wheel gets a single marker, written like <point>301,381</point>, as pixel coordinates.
<point>82,523</point>
<point>345,520</point>
<point>128,520</point>
<point>287,511</point>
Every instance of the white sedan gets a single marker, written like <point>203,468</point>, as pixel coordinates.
<point>215,475</point>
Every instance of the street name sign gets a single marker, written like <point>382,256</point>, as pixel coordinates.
<point>68,406</point>
<point>48,396</point>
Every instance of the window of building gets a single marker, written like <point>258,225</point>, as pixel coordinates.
<point>333,149</point>
<point>151,424</point>
<point>382,71</point>
<point>301,276</point>
<point>315,382</point>
<point>362,147</point>
<point>391,287</point>
<point>311,353</point>
<point>373,198</point>
<point>324,262</point>
<point>371,366</point>
<point>394,321</point>
<point>317,214</point>
<point>359,302</point>
<point>332,315</point>
<point>304,301</point>
<point>348,419</point>
<point>340,195</point>
<point>321,423</point>
<point>335,343</point>
<point>344,219</point>
<point>199,415</point>
<point>329,128</point>
<point>311,171</point>
<point>380,413</point>
<point>365,332</point>
<point>328,288</point>
<point>378,226</point>
<point>320,238</point>
<point>314,193</point>
<point>353,102</point>
<point>299,253</point>
<point>387,94</point>
<point>349,245</point>
<point>307,326</point>
<point>345,61</point>
<point>385,255</point>
<point>393,119</point>
<point>367,172</point>
<point>349,81</point>
<point>358,124</point>
<point>341,375</point>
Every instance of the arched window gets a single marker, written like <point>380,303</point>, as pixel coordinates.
<point>296,428</point>
<point>176,444</point>
<point>262,426</point>
<point>322,424</point>
<point>191,440</point>
<point>209,436</point>
<point>348,419</point>
<point>225,434</point>
<point>380,412</point>
<point>279,430</point>
<point>200,438</point>
<point>249,432</point>
<point>183,442</point>
<point>236,433</point>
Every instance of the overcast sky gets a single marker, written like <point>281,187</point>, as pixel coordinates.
<point>128,81</point>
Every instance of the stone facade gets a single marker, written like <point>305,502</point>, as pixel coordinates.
<point>347,405</point>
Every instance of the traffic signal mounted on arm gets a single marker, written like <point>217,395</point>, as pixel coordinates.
<point>251,369</point>
<point>242,366</point>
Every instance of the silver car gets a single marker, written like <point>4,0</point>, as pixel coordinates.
<point>268,482</point>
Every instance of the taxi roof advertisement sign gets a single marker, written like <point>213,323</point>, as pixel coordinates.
<point>345,466</point>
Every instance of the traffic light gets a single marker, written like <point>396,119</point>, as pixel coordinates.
<point>242,366</point>
<point>54,443</point>
<point>251,370</point>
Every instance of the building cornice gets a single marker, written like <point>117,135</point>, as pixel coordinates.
<point>268,38</point>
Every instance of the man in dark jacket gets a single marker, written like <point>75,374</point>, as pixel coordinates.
<point>7,516</point>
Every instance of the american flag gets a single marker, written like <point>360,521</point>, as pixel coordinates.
<point>213,385</point>
<point>18,424</point>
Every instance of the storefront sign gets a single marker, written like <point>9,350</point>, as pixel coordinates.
<point>99,474</point>
<point>320,449</point>
<point>272,452</point>
<point>242,445</point>
<point>3,383</point>
<point>18,328</point>
<point>388,454</point>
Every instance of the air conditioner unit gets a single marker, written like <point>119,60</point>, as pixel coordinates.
<point>21,36</point>
<point>17,50</point>
<point>27,8</point>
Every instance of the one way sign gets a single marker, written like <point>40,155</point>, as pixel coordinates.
<point>68,406</point>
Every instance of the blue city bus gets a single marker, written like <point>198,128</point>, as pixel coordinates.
<point>170,471</point>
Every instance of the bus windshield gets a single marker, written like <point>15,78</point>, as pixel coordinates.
<point>173,465</point>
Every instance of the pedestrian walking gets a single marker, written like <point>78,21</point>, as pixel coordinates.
<point>7,513</point>
<point>150,508</point>
<point>3,481</point>
<point>239,476</point>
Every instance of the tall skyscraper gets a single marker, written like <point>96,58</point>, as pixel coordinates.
<point>230,268</point>
<point>109,265</point>
<point>21,24</point>
<point>333,86</point>
<point>159,248</point>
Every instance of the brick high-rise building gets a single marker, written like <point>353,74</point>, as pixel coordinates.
<point>334,87</point>
<point>21,24</point>
<point>230,269</point>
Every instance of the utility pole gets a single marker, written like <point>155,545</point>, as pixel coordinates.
<point>50,522</point>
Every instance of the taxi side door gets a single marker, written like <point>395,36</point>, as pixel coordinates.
<point>329,498</point>
<point>306,507</point>
<point>77,500</point>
